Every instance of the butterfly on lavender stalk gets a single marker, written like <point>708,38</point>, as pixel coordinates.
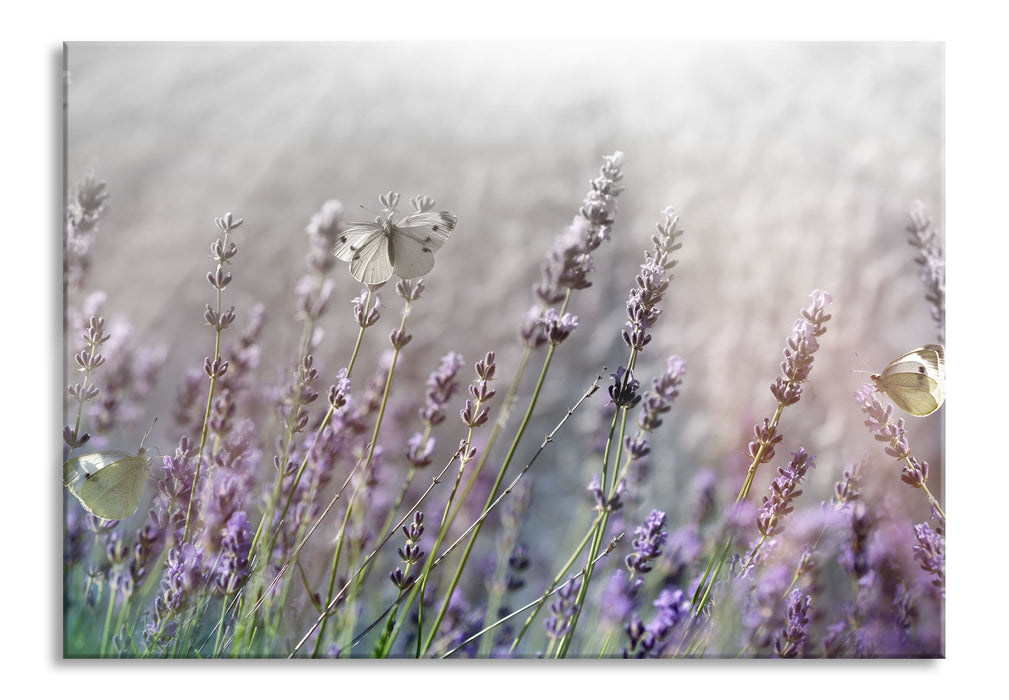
<point>387,246</point>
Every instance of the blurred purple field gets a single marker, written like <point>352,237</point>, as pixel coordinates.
<point>792,167</point>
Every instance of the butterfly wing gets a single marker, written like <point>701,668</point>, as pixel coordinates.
<point>108,484</point>
<point>366,247</point>
<point>415,238</point>
<point>916,382</point>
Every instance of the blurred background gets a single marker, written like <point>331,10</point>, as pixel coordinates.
<point>792,165</point>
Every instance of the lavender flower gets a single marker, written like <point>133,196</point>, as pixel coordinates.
<point>441,385</point>
<point>784,490</point>
<point>362,314</point>
<point>174,479</point>
<point>664,390</point>
<point>624,388</point>
<point>562,609</point>
<point>419,450</point>
<point>558,328</point>
<point>410,553</point>
<point>183,576</point>
<point>793,637</point>
<point>648,540</point>
<point>931,552</point>
<point>653,639</point>
<point>569,262</point>
<point>799,350</point>
<point>322,229</point>
<point>879,421</point>
<point>83,212</point>
<point>410,290</point>
<point>924,236</point>
<point>854,552</point>
<point>611,504</point>
<point>232,565</point>
<point>618,597</point>
<point>652,282</point>
<point>87,359</point>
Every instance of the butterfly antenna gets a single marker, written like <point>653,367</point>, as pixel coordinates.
<point>862,371</point>
<point>144,439</point>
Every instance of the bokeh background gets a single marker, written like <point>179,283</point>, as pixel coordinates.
<point>792,166</point>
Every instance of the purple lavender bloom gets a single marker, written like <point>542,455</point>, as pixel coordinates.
<point>558,328</point>
<point>784,490</point>
<point>664,390</point>
<point>653,639</point>
<point>441,385</point>
<point>648,540</point>
<point>925,237</point>
<point>791,639</point>
<point>322,229</point>
<point>764,436</point>
<point>569,262</point>
<point>84,210</point>
<point>339,393</point>
<point>854,551</point>
<point>931,552</point>
<point>562,609</point>
<point>879,421</point>
<point>228,484</point>
<point>183,575</point>
<point>800,347</point>
<point>618,597</point>
<point>419,451</point>
<point>232,563</point>
<point>652,282</point>
<point>174,478</point>
<point>624,388</point>
<point>612,504</point>
<point>362,314</point>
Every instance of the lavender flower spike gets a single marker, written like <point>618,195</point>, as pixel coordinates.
<point>800,347</point>
<point>791,639</point>
<point>648,541</point>
<point>569,262</point>
<point>784,490</point>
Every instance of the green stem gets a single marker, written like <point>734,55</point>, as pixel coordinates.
<point>490,499</point>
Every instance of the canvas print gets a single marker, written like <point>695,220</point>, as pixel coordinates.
<point>503,349</point>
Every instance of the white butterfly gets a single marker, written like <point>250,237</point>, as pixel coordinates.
<point>109,484</point>
<point>916,381</point>
<point>385,247</point>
